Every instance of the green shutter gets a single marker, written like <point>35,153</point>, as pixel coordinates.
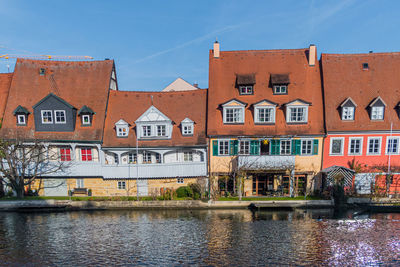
<point>315,147</point>
<point>296,147</point>
<point>233,147</point>
<point>215,147</point>
<point>275,147</point>
<point>254,147</point>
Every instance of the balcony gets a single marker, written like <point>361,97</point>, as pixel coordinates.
<point>96,169</point>
<point>266,162</point>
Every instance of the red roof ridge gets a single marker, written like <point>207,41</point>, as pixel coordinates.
<point>62,61</point>
<point>161,92</point>
<point>267,50</point>
<point>360,54</point>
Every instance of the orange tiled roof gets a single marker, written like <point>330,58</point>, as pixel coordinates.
<point>5,82</point>
<point>305,84</point>
<point>77,82</point>
<point>344,77</point>
<point>177,106</point>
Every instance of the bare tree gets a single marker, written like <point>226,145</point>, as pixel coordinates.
<point>22,162</point>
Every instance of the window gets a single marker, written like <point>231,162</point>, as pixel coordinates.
<point>122,131</point>
<point>365,66</point>
<point>21,119</point>
<point>355,146</point>
<point>306,147</point>
<point>244,148</point>
<point>42,71</point>
<point>187,156</point>
<point>158,158</point>
<point>79,183</point>
<point>187,129</point>
<point>65,154</point>
<point>132,158</point>
<point>374,145</point>
<point>297,114</point>
<point>146,157</point>
<point>377,113</point>
<point>86,120</point>
<point>265,115</point>
<point>47,116</point>
<point>180,180</point>
<point>160,130</point>
<point>280,89</point>
<point>392,145</point>
<point>86,154</point>
<point>60,116</point>
<point>348,113</point>
<point>116,159</point>
<point>285,147</point>
<point>223,147</point>
<point>234,115</point>
<point>121,185</point>
<point>246,89</point>
<point>336,146</point>
<point>146,130</point>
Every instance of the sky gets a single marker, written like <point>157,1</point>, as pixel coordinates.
<point>154,42</point>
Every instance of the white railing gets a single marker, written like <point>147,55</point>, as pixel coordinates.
<point>266,162</point>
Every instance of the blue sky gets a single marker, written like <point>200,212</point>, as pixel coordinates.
<point>154,42</point>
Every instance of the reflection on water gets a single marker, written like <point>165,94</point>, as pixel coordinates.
<point>209,237</point>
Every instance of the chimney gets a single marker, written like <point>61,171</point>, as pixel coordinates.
<point>312,55</point>
<point>216,49</point>
<point>196,85</point>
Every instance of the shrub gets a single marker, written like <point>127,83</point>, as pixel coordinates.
<point>184,191</point>
<point>196,189</point>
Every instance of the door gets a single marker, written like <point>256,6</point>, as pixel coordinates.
<point>55,187</point>
<point>143,187</point>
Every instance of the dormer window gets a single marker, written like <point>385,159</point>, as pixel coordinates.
<point>187,126</point>
<point>245,83</point>
<point>60,116</point>
<point>348,109</point>
<point>297,111</point>
<point>161,130</point>
<point>153,124</point>
<point>365,66</point>
<point>122,128</point>
<point>233,111</point>
<point>280,83</point>
<point>264,112</point>
<point>47,116</point>
<point>377,109</point>
<point>42,71</point>
<point>86,115</point>
<point>22,115</point>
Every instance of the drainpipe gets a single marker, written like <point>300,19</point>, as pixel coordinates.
<point>137,167</point>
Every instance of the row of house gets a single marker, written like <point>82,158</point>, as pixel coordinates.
<point>282,119</point>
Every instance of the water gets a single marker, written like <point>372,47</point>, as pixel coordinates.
<point>202,238</point>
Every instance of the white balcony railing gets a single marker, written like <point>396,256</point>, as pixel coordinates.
<point>266,162</point>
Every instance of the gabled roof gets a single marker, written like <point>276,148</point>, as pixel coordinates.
<point>265,101</point>
<point>121,122</point>
<point>242,79</point>
<point>86,110</point>
<point>177,106</point>
<point>233,101</point>
<point>187,120</point>
<point>377,102</point>
<point>5,83</point>
<point>21,110</point>
<point>280,78</point>
<point>347,100</point>
<point>152,114</point>
<point>179,85</point>
<point>78,83</point>
<point>56,97</point>
<point>305,84</point>
<point>344,77</point>
<point>293,102</point>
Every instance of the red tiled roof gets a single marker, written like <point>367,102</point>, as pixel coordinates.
<point>177,106</point>
<point>305,84</point>
<point>344,77</point>
<point>5,82</point>
<point>77,82</point>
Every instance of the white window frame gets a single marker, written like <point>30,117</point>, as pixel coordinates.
<point>187,128</point>
<point>132,155</point>
<point>271,117</point>
<point>226,141</point>
<point>188,156</point>
<point>361,146</point>
<point>80,183</point>
<point>88,121</point>
<point>349,116</point>
<point>145,156</point>
<point>51,116</point>
<point>289,113</point>
<point>374,113</point>
<point>23,121</point>
<point>281,147</point>
<point>306,141</point>
<point>180,180</point>
<point>240,147</point>
<point>147,126</point>
<point>55,117</point>
<point>163,130</point>
<point>121,185</point>
<point>245,89</point>
<point>280,86</point>
<point>241,115</point>
<point>380,145</point>
<point>122,133</point>
<point>387,145</point>
<point>341,147</point>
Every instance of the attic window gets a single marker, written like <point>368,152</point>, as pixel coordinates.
<point>42,71</point>
<point>245,83</point>
<point>187,126</point>
<point>280,83</point>
<point>365,66</point>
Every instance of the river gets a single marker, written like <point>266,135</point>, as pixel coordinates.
<point>198,237</point>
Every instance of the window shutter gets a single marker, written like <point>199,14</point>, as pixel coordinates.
<point>215,147</point>
<point>315,147</point>
<point>296,147</point>
<point>234,147</point>
<point>275,146</point>
<point>254,147</point>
